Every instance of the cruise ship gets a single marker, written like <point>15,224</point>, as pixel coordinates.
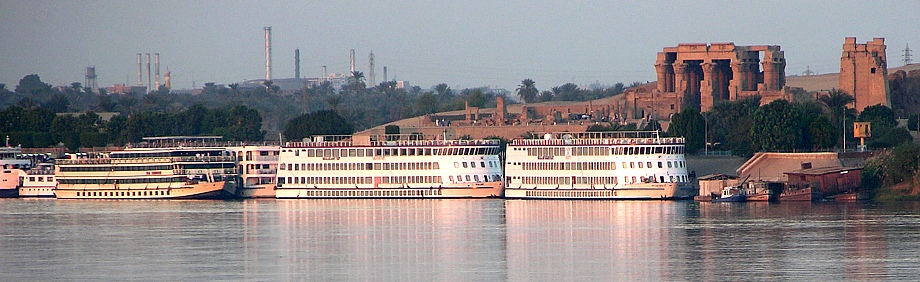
<point>597,165</point>
<point>160,168</point>
<point>390,166</point>
<point>258,167</point>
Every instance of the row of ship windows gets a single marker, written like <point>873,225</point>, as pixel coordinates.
<point>569,166</point>
<point>594,165</point>
<point>541,180</point>
<point>385,193</point>
<point>359,180</point>
<point>40,178</point>
<point>116,168</point>
<point>335,153</point>
<point>475,178</point>
<point>362,166</point>
<point>121,181</point>
<point>124,193</point>
<point>604,151</point>
<point>473,164</point>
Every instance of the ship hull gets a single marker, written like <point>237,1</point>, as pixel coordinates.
<point>645,192</point>
<point>206,190</point>
<point>262,191</point>
<point>36,192</point>
<point>9,193</point>
<point>477,190</point>
<point>803,195</point>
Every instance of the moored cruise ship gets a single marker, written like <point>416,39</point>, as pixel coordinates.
<point>258,166</point>
<point>162,168</point>
<point>391,166</point>
<point>597,165</point>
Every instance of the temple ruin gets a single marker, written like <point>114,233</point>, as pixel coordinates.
<point>699,75</point>
<point>864,72</point>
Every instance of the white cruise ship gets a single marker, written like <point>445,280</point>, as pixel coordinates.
<point>406,166</point>
<point>164,168</point>
<point>258,166</point>
<point>597,165</point>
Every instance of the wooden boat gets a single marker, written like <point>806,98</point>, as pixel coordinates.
<point>803,194</point>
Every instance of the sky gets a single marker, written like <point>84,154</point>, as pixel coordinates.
<point>461,43</point>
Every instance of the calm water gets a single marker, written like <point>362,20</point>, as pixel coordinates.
<point>455,240</point>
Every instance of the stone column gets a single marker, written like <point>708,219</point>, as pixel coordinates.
<point>662,71</point>
<point>706,89</point>
<point>769,75</point>
<point>736,84</point>
<point>680,79</point>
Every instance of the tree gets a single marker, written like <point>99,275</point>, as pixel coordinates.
<point>879,115</point>
<point>325,122</point>
<point>527,91</point>
<point>356,82</point>
<point>427,103</point>
<point>689,123</point>
<point>32,85</point>
<point>776,126</point>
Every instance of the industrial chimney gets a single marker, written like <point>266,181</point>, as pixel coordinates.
<point>268,53</point>
<point>148,72</point>
<point>139,70</point>
<point>370,72</point>
<point>156,60</point>
<point>352,62</point>
<point>297,63</point>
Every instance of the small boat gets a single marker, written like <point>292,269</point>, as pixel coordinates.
<point>802,194</point>
<point>732,194</point>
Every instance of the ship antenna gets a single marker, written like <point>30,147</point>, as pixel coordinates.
<point>7,140</point>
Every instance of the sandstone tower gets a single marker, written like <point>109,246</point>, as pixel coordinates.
<point>864,72</point>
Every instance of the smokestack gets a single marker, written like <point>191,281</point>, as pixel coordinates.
<point>156,59</point>
<point>370,73</point>
<point>297,63</point>
<point>139,70</point>
<point>385,74</point>
<point>268,53</point>
<point>166,78</point>
<point>324,73</point>
<point>148,72</point>
<point>352,62</point>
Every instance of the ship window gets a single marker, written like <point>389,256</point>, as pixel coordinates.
<point>296,166</point>
<point>311,153</point>
<point>468,178</point>
<point>648,164</point>
<point>483,164</point>
<point>360,152</point>
<point>669,164</point>
<point>352,152</point>
<point>660,165</point>
<point>640,164</point>
<point>473,164</point>
<point>451,178</point>
<point>464,165</point>
<point>476,178</point>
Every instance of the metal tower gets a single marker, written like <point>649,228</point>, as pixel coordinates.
<point>907,54</point>
<point>352,64</point>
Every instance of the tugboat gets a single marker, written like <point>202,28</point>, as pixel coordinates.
<point>731,194</point>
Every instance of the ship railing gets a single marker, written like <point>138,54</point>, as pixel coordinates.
<point>35,171</point>
<point>265,158</point>
<point>264,171</point>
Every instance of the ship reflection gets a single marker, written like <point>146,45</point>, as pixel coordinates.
<point>381,239</point>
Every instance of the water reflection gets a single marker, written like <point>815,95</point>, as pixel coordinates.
<point>618,240</point>
<point>378,239</point>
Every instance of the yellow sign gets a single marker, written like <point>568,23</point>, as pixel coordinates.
<point>862,129</point>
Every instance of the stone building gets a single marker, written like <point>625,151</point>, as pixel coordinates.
<point>864,72</point>
<point>699,75</point>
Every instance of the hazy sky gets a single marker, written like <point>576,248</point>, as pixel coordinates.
<point>461,43</point>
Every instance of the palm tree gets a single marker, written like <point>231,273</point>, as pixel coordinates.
<point>837,102</point>
<point>527,90</point>
<point>356,82</point>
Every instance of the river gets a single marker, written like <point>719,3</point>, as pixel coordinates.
<point>456,240</point>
